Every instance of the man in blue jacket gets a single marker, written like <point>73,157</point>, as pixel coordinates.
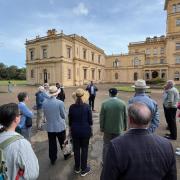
<point>140,96</point>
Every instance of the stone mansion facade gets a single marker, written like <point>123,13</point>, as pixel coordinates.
<point>73,60</point>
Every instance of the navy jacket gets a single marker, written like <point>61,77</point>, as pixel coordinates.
<point>80,120</point>
<point>138,155</point>
<point>39,99</point>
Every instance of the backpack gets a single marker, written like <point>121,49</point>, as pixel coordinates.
<point>3,145</point>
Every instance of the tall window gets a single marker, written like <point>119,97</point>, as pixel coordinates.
<point>99,59</point>
<point>155,61</point>
<point>31,54</point>
<point>176,76</point>
<point>68,52</point>
<point>69,74</point>
<point>135,76</point>
<point>93,72</point>
<point>92,54</point>
<point>116,75</point>
<point>147,61</point>
<point>84,53</point>
<point>162,61</point>
<point>148,51</point>
<point>162,50</point>
<point>178,22</point>
<point>85,73</point>
<point>174,8</point>
<point>99,74</point>
<point>177,46</point>
<point>44,52</point>
<point>155,51</point>
<point>178,7</point>
<point>32,73</point>
<point>177,59</point>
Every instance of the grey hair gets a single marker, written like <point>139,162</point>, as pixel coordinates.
<point>139,113</point>
<point>140,90</point>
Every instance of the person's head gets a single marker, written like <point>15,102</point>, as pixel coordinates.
<point>58,85</point>
<point>170,84</point>
<point>140,86</point>
<point>113,92</point>
<point>9,115</point>
<point>91,83</point>
<point>40,88</point>
<point>53,91</point>
<point>46,86</point>
<point>80,96</point>
<point>139,115</point>
<point>22,97</point>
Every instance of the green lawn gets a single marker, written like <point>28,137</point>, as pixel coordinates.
<point>129,89</point>
<point>15,82</point>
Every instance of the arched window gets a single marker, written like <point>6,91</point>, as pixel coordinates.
<point>176,76</point>
<point>116,75</point>
<point>135,76</point>
<point>155,74</point>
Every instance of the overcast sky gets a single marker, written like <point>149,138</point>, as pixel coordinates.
<point>109,24</point>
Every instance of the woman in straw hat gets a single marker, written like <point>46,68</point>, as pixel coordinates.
<point>80,122</point>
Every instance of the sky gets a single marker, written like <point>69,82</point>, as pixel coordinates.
<point>109,24</point>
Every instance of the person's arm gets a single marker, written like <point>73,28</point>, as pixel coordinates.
<point>90,116</point>
<point>125,118</point>
<point>155,119</point>
<point>26,112</point>
<point>170,98</point>
<point>70,116</point>
<point>172,173</point>
<point>110,169</point>
<point>28,161</point>
<point>102,118</point>
<point>62,110</point>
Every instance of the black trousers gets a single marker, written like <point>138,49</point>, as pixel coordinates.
<point>170,115</point>
<point>53,143</point>
<point>91,101</point>
<point>80,147</point>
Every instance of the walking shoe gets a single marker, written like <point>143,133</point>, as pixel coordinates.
<point>86,171</point>
<point>177,149</point>
<point>77,170</point>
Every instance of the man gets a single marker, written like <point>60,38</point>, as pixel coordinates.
<point>139,154</point>
<point>54,112</point>
<point>19,156</point>
<point>39,101</point>
<point>140,96</point>
<point>91,88</point>
<point>170,107</point>
<point>113,119</point>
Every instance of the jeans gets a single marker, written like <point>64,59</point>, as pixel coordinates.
<point>170,115</point>
<point>53,144</point>
<point>80,147</point>
<point>107,138</point>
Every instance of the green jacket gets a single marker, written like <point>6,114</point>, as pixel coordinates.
<point>113,116</point>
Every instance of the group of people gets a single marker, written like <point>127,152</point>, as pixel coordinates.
<point>135,154</point>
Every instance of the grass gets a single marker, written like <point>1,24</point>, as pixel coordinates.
<point>15,82</point>
<point>129,89</point>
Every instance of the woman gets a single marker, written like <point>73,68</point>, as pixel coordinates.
<point>26,116</point>
<point>80,122</point>
<point>61,94</point>
<point>20,158</point>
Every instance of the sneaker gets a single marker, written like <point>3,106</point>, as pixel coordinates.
<point>86,171</point>
<point>77,170</point>
<point>177,153</point>
<point>177,149</point>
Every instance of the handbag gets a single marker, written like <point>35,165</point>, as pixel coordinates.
<point>28,122</point>
<point>67,147</point>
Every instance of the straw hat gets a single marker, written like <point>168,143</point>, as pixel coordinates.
<point>81,93</point>
<point>41,88</point>
<point>140,84</point>
<point>53,91</point>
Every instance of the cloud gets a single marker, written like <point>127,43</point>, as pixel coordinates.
<point>81,9</point>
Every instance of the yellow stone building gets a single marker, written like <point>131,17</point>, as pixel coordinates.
<point>73,60</point>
